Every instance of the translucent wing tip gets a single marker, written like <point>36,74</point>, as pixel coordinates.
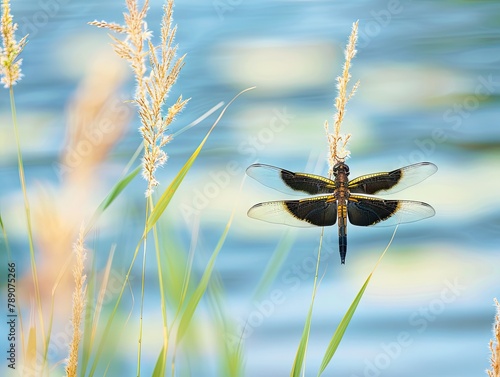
<point>430,167</point>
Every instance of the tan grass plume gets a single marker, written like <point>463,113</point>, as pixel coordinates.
<point>10,65</point>
<point>78,304</point>
<point>337,142</point>
<point>154,80</point>
<point>495,345</point>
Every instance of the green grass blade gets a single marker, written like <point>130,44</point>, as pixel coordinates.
<point>118,188</point>
<point>105,334</point>
<point>172,188</point>
<point>273,267</point>
<point>27,210</point>
<point>6,240</point>
<point>341,328</point>
<point>192,304</point>
<point>200,290</point>
<point>298,362</point>
<point>230,355</point>
<point>160,365</point>
<point>113,194</point>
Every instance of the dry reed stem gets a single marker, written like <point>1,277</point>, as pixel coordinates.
<point>10,65</point>
<point>337,142</point>
<point>152,89</point>
<point>495,345</point>
<point>78,304</point>
<point>96,119</point>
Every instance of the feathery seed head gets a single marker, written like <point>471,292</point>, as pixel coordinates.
<point>154,86</point>
<point>10,65</point>
<point>337,142</point>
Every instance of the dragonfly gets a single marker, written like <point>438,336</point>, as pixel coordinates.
<point>338,199</point>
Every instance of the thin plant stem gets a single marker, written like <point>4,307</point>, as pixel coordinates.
<point>163,302</point>
<point>143,279</point>
<point>315,287</point>
<point>28,214</point>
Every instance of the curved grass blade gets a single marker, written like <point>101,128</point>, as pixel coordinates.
<point>160,365</point>
<point>341,328</point>
<point>230,356</point>
<point>113,194</point>
<point>6,240</point>
<point>20,168</point>
<point>273,267</point>
<point>118,188</point>
<point>202,286</point>
<point>298,362</point>
<point>104,334</point>
<point>30,356</point>
<point>192,304</point>
<point>172,188</point>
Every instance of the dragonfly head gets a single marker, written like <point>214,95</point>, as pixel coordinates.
<point>340,168</point>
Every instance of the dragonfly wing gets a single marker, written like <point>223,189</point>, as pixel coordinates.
<point>370,211</point>
<point>289,182</point>
<point>317,211</point>
<point>393,181</point>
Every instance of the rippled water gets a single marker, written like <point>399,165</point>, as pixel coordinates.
<point>429,74</point>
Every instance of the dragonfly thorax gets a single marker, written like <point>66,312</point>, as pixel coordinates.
<point>341,173</point>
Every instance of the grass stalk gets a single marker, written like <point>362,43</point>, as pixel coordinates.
<point>337,153</point>
<point>342,327</point>
<point>300,357</point>
<point>280,254</point>
<point>27,212</point>
<point>107,328</point>
<point>6,239</point>
<point>201,288</point>
<point>154,216</point>
<point>141,310</point>
<point>79,296</point>
<point>338,142</point>
<point>162,361</point>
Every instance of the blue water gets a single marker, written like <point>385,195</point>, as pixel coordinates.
<point>430,85</point>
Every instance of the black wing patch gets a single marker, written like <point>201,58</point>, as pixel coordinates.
<point>391,182</point>
<point>289,182</point>
<point>318,211</point>
<point>370,211</point>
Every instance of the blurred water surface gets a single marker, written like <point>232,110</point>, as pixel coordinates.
<point>429,91</point>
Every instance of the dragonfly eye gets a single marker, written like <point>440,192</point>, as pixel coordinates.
<point>340,167</point>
